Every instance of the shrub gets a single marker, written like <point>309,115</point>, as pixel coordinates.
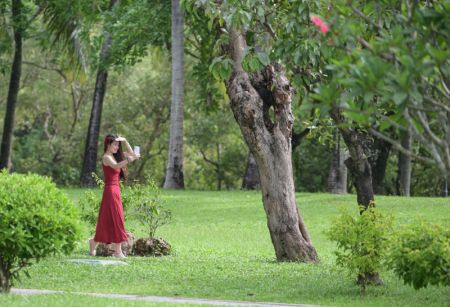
<point>362,240</point>
<point>420,255</point>
<point>36,220</point>
<point>148,206</point>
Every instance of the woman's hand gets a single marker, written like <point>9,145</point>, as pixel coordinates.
<point>120,139</point>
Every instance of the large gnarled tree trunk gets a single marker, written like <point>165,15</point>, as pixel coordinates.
<point>90,151</point>
<point>14,84</point>
<point>261,104</point>
<point>174,171</point>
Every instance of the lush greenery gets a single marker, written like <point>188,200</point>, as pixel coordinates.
<point>362,241</point>
<point>54,106</point>
<point>421,255</point>
<point>36,220</point>
<point>222,250</point>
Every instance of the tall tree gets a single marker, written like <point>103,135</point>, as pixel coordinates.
<point>90,151</point>
<point>404,166</point>
<point>261,104</point>
<point>14,83</point>
<point>379,154</point>
<point>337,177</point>
<point>174,171</point>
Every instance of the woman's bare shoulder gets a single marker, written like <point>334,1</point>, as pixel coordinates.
<point>107,160</point>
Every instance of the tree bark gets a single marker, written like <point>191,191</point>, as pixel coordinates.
<point>337,177</point>
<point>90,151</point>
<point>404,166</point>
<point>268,137</point>
<point>378,159</point>
<point>251,178</point>
<point>5,277</point>
<point>14,85</point>
<point>357,163</point>
<point>174,171</point>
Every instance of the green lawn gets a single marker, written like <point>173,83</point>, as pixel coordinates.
<point>222,250</point>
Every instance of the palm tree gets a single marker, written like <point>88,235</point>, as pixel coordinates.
<point>90,151</point>
<point>14,83</point>
<point>174,171</point>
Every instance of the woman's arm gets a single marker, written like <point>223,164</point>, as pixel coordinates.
<point>129,151</point>
<point>109,161</point>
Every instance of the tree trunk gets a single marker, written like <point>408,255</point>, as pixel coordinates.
<point>174,171</point>
<point>378,159</point>
<point>14,85</point>
<point>357,163</point>
<point>251,179</point>
<point>404,166</point>
<point>337,177</point>
<point>5,277</point>
<point>90,151</point>
<point>268,137</point>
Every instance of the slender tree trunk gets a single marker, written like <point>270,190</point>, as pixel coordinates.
<point>14,85</point>
<point>174,171</point>
<point>269,140</point>
<point>251,179</point>
<point>404,166</point>
<point>357,163</point>
<point>5,278</point>
<point>380,151</point>
<point>445,188</point>
<point>90,151</point>
<point>337,177</point>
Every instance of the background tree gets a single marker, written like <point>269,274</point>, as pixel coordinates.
<point>90,153</point>
<point>19,26</point>
<point>174,172</point>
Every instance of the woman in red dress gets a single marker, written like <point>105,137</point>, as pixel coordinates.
<point>110,224</point>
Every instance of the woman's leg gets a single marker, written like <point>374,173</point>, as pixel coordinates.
<point>118,250</point>
<point>92,247</point>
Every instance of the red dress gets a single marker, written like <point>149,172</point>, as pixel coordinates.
<point>110,223</point>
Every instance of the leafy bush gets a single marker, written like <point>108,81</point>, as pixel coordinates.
<point>36,220</point>
<point>148,206</point>
<point>420,255</point>
<point>362,240</point>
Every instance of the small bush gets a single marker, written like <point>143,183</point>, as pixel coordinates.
<point>362,240</point>
<point>148,206</point>
<point>36,220</point>
<point>420,255</point>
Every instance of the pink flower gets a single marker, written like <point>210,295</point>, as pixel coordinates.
<point>324,28</point>
<point>320,23</point>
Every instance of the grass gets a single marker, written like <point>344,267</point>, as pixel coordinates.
<point>222,250</point>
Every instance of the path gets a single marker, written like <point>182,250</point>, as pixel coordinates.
<point>160,299</point>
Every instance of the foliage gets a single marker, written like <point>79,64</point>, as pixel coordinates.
<point>36,220</point>
<point>148,206</point>
<point>420,255</point>
<point>362,241</point>
<point>392,71</point>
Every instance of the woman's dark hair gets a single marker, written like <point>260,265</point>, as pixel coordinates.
<point>119,156</point>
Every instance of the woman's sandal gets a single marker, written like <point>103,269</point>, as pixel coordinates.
<point>121,255</point>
